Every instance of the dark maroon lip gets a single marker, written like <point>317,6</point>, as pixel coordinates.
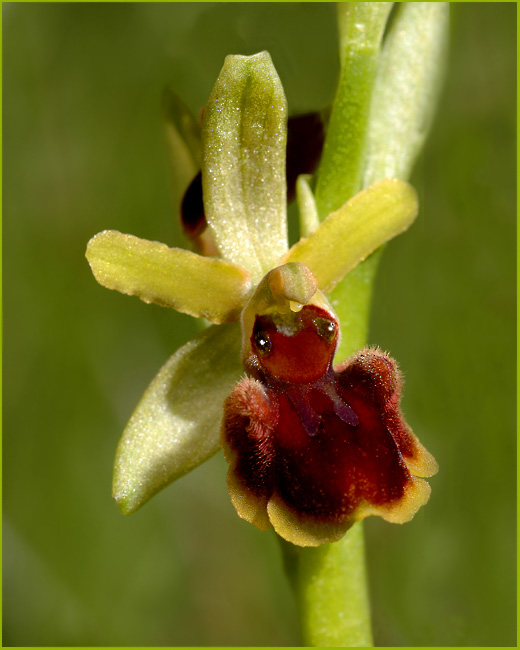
<point>330,450</point>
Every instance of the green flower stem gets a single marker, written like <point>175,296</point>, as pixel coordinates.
<point>341,168</point>
<point>332,597</point>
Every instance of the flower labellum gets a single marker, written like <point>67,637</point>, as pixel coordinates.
<point>313,448</point>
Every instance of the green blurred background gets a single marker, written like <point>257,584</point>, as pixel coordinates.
<point>84,151</point>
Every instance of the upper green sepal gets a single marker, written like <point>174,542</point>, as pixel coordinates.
<point>176,425</point>
<point>200,286</point>
<point>244,133</point>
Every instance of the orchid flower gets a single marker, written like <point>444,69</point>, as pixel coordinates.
<point>308,418</point>
<point>311,447</point>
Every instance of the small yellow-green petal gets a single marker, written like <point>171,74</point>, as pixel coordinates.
<point>350,234</point>
<point>244,133</point>
<point>176,425</point>
<point>308,212</point>
<point>172,277</point>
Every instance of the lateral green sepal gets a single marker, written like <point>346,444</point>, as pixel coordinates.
<point>176,425</point>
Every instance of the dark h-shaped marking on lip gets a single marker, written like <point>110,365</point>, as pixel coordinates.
<point>310,419</point>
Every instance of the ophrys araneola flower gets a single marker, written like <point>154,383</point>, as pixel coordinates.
<point>176,426</point>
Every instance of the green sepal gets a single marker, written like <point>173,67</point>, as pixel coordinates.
<point>176,425</point>
<point>407,85</point>
<point>182,121</point>
<point>172,277</point>
<point>349,235</point>
<point>183,140</point>
<point>244,133</point>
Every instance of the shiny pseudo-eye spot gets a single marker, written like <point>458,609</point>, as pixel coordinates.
<point>262,342</point>
<point>326,328</point>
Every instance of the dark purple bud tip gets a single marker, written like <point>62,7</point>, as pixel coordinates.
<point>192,209</point>
<point>305,138</point>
